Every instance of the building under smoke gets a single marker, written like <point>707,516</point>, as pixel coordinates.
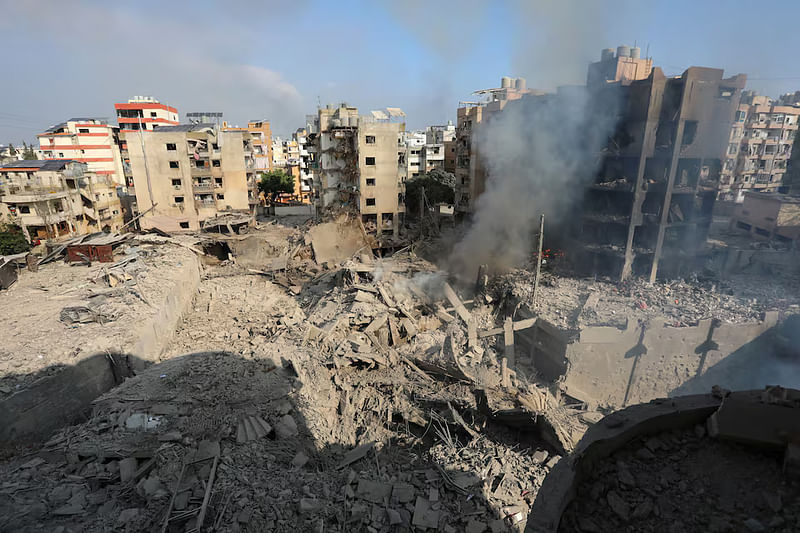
<point>649,209</point>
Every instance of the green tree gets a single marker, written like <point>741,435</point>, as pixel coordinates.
<point>11,151</point>
<point>27,152</point>
<point>275,183</point>
<point>440,188</point>
<point>12,240</point>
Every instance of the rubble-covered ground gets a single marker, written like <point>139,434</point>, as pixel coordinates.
<point>66,311</point>
<point>301,397</point>
<point>684,481</point>
<point>571,303</point>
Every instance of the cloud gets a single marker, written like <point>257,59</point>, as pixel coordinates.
<point>194,60</point>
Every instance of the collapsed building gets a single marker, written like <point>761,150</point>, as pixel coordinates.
<point>649,209</point>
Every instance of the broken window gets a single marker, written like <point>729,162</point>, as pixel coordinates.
<point>179,199</point>
<point>171,147</point>
<point>214,146</point>
<point>369,161</point>
<point>741,116</point>
<point>215,162</point>
<point>176,183</point>
<point>200,163</point>
<point>220,196</point>
<point>152,114</point>
<point>184,225</point>
<point>370,201</point>
<point>370,139</point>
<point>218,182</point>
<point>24,209</point>
<point>174,164</point>
<point>725,93</point>
<point>370,182</point>
<point>689,132</point>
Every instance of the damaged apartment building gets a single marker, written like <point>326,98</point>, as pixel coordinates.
<point>54,198</point>
<point>186,174</point>
<point>359,165</point>
<point>649,210</point>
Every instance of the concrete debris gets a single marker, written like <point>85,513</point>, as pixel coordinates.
<point>409,391</point>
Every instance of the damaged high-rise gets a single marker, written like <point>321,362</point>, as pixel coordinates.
<point>649,210</point>
<point>359,167</point>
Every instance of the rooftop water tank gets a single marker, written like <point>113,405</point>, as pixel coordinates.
<point>623,51</point>
<point>607,54</point>
<point>636,52</point>
<point>521,84</point>
<point>505,82</point>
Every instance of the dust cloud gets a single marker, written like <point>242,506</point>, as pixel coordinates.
<point>538,154</point>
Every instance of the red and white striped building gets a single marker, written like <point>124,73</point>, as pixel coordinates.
<point>89,140</point>
<point>145,112</point>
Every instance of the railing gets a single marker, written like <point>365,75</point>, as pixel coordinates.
<point>207,185</point>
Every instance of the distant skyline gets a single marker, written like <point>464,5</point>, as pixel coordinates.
<point>277,60</point>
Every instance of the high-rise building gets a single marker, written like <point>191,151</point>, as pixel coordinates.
<point>54,198</point>
<point>649,209</point>
<point>760,146</point>
<point>145,112</point>
<point>88,140</point>
<point>358,165</point>
<point>190,173</point>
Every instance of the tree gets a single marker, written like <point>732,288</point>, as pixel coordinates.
<point>27,152</point>
<point>275,183</point>
<point>12,241</point>
<point>440,188</point>
<point>11,151</point>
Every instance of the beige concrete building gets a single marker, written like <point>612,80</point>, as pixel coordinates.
<point>51,199</point>
<point>760,146</point>
<point>469,169</point>
<point>768,216</point>
<point>624,67</point>
<point>359,165</point>
<point>88,140</point>
<point>145,112</point>
<point>190,173</point>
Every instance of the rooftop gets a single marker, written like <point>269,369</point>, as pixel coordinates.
<point>184,127</point>
<point>50,164</point>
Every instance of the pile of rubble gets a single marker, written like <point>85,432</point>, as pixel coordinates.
<point>684,481</point>
<point>572,303</point>
<point>351,394</point>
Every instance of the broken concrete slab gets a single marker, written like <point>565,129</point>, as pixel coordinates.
<point>334,242</point>
<point>373,491</point>
<point>425,515</point>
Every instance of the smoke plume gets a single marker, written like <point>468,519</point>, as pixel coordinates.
<point>538,154</point>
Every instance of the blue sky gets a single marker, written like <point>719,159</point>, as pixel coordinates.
<point>276,60</point>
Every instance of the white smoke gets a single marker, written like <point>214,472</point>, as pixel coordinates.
<point>538,153</point>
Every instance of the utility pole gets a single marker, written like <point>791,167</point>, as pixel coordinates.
<point>146,169</point>
<point>538,260</point>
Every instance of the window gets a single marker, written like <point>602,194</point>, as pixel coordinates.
<point>220,196</point>
<point>199,163</point>
<point>179,199</point>
<point>370,139</point>
<point>743,225</point>
<point>215,162</point>
<point>184,225</point>
<point>171,147</point>
<point>173,164</point>
<point>435,149</point>
<point>83,130</point>
<point>370,201</point>
<point>24,209</point>
<point>60,154</point>
<point>83,151</point>
<point>370,182</point>
<point>689,132</point>
<point>115,212</point>
<point>218,182</point>
<point>370,161</point>
<point>214,146</point>
<point>152,114</point>
<point>176,184</point>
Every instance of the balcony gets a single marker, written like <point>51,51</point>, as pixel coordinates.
<point>202,186</point>
<point>205,204</point>
<point>200,171</point>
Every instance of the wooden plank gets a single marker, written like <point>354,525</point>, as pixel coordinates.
<point>455,301</point>
<point>508,339</point>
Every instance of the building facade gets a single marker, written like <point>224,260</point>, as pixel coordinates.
<point>88,140</point>
<point>470,170</point>
<point>649,209</point>
<point>55,198</point>
<point>759,147</point>
<point>186,174</point>
<point>359,166</point>
<point>768,216</point>
<point>145,112</point>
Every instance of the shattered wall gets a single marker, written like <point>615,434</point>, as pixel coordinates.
<point>612,367</point>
